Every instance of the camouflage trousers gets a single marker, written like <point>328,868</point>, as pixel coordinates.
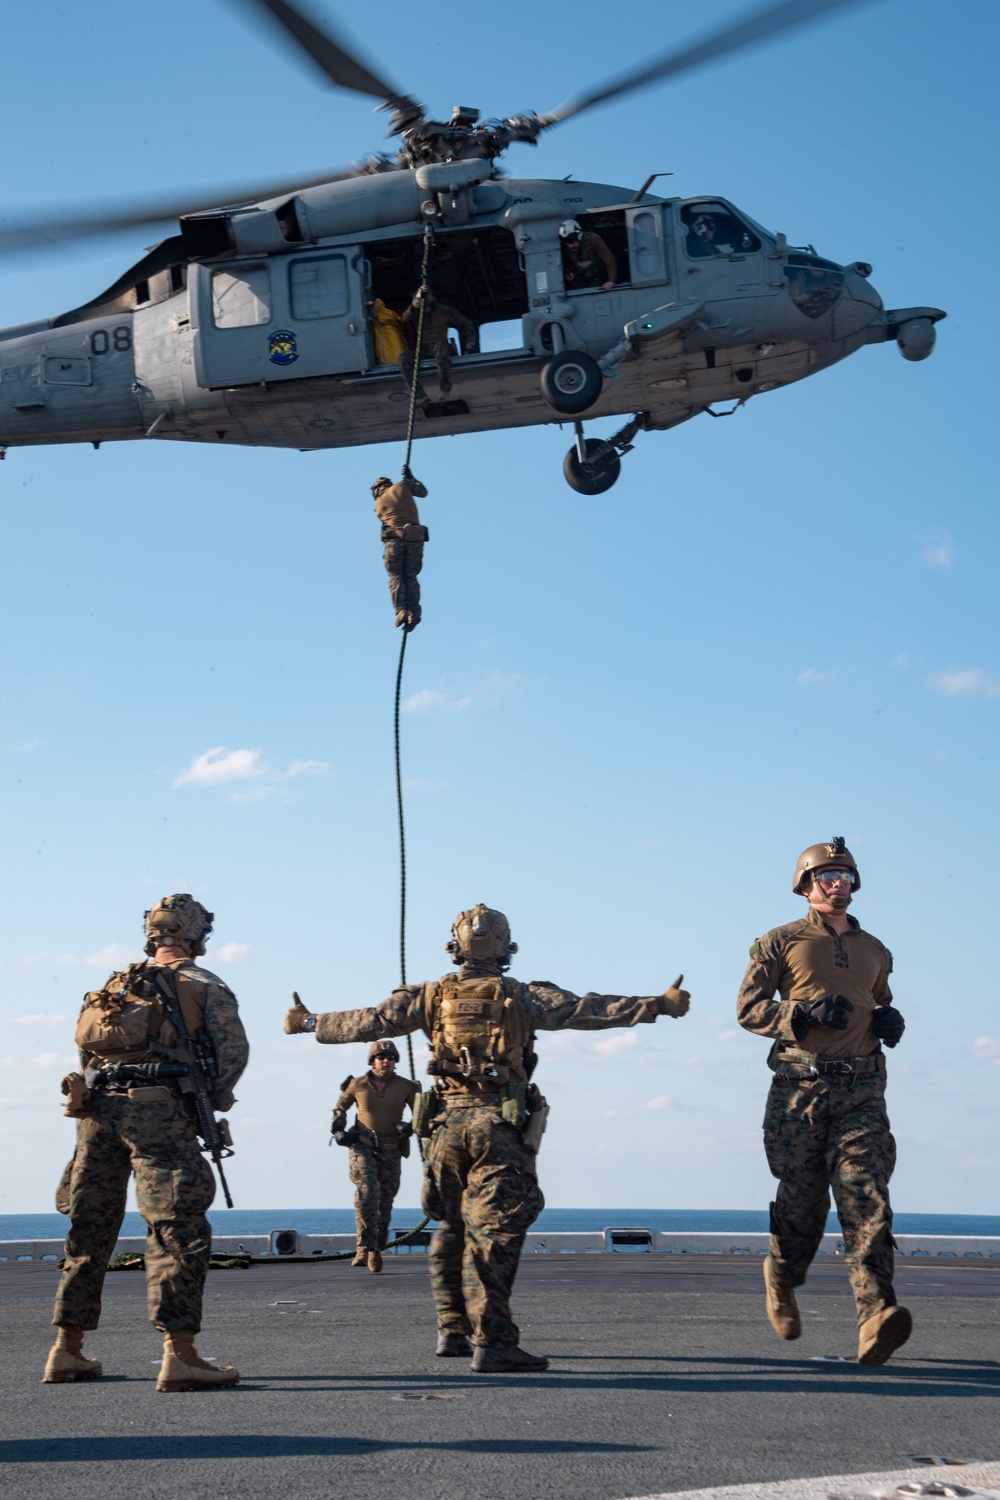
<point>376,1183</point>
<point>832,1133</point>
<point>403,561</point>
<point>154,1139</point>
<point>480,1183</point>
<point>441,352</point>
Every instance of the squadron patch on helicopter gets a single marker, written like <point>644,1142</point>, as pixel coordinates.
<point>282,347</point>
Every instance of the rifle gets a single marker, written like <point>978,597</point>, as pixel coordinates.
<point>200,1067</point>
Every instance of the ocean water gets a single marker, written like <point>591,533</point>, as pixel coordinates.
<point>341,1221</point>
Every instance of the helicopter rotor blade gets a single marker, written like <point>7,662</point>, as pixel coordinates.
<point>51,233</point>
<point>756,27</point>
<point>332,57</point>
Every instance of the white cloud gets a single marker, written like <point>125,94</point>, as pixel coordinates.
<point>231,953</point>
<point>37,1020</point>
<point>47,1060</point>
<point>221,766</point>
<point>491,692</point>
<point>611,1046</point>
<point>936,548</point>
<point>810,677</point>
<point>650,1106</point>
<point>902,661</point>
<point>988,1047</point>
<point>427,700</point>
<point>25,746</point>
<point>726,1036</point>
<point>965,681</point>
<point>111,956</point>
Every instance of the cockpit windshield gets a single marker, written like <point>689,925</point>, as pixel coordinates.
<point>715,228</point>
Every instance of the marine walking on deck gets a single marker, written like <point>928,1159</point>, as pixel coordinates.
<point>820,988</point>
<point>378,1141</point>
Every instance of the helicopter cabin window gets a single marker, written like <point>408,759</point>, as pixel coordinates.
<point>241,297</point>
<point>601,255</point>
<point>713,229</point>
<point>319,287</point>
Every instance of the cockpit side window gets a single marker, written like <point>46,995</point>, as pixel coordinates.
<point>713,229</point>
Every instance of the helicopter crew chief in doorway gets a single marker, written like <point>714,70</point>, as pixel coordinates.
<point>584,257</point>
<point>438,319</point>
<point>404,538</point>
<point>819,987</point>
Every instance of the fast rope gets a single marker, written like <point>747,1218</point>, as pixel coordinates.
<point>414,387</point>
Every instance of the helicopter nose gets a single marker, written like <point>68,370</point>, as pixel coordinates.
<point>859,302</point>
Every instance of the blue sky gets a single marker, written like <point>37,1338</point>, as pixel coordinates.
<point>625,716</point>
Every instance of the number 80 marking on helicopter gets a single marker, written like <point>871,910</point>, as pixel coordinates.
<point>119,339</point>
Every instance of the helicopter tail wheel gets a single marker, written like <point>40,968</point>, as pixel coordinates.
<point>571,381</point>
<point>597,473</point>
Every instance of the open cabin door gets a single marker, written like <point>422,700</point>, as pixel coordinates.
<point>647,251</point>
<point>280,318</point>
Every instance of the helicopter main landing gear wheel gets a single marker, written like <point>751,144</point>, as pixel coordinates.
<point>571,381</point>
<point>598,471</point>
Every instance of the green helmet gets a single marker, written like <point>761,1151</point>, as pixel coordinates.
<point>178,919</point>
<point>481,935</point>
<point>816,856</point>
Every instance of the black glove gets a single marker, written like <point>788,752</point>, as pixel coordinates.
<point>887,1024</point>
<point>342,1137</point>
<point>405,1130</point>
<point>827,1010</point>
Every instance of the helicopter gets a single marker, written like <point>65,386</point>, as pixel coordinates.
<point>256,323</point>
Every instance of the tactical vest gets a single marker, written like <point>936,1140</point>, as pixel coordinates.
<point>122,1020</point>
<point>480,1035</point>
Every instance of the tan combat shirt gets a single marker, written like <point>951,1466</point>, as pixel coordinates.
<point>380,1105</point>
<point>804,960</point>
<point>546,1008</point>
<point>396,507</point>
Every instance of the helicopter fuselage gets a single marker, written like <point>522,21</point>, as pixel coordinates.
<point>253,326</point>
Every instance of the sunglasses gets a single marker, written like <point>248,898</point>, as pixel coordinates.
<point>835,877</point>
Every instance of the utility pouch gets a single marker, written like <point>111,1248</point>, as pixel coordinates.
<point>74,1086</point>
<point>426,1105</point>
<point>144,1095</point>
<point>514,1108</point>
<point>772,1056</point>
<point>535,1128</point>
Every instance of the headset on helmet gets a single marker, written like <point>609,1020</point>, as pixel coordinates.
<point>816,856</point>
<point>178,919</point>
<point>569,229</point>
<point>481,935</point>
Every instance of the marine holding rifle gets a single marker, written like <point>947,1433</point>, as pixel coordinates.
<point>161,1047</point>
<point>483,1118</point>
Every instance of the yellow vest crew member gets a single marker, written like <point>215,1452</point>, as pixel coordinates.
<point>483,1117</point>
<point>403,540</point>
<point>133,1120</point>
<point>378,1142</point>
<point>825,1125</point>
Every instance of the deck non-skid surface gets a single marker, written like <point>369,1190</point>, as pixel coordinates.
<point>665,1378</point>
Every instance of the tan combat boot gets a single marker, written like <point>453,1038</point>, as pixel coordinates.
<point>360,1257</point>
<point>374,1260</point>
<point>882,1335</point>
<point>67,1361</point>
<point>782,1309</point>
<point>183,1370</point>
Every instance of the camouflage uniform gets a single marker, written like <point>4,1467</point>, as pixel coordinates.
<point>377,1154</point>
<point>438,320</point>
<point>480,1179</point>
<point>831,1130</point>
<point>404,538</point>
<point>146,1130</point>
